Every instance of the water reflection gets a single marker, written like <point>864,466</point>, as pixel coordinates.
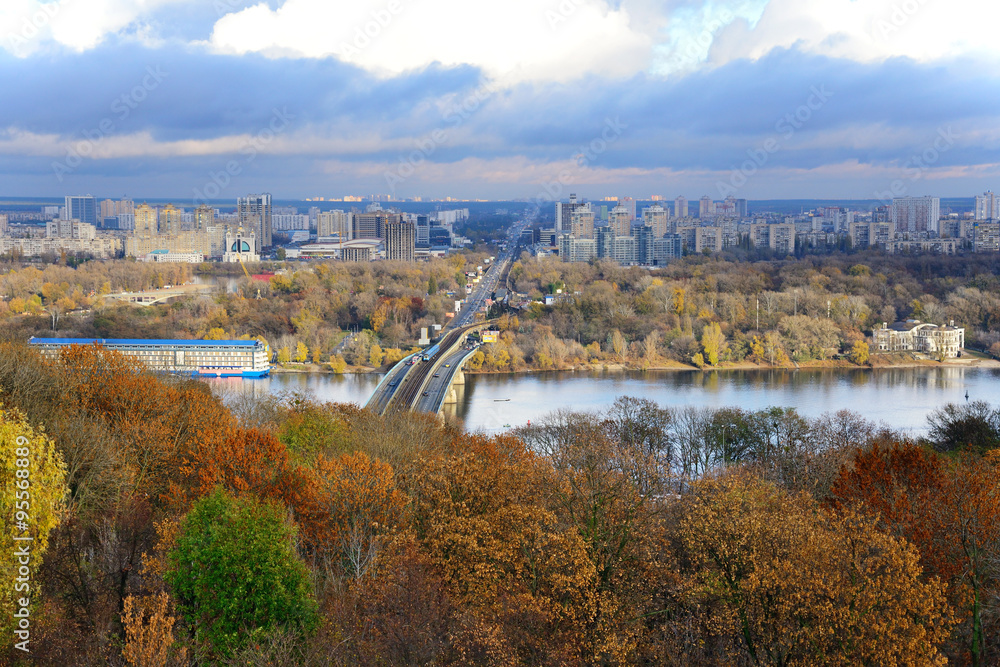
<point>899,397</point>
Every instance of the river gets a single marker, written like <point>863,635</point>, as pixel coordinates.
<point>898,397</point>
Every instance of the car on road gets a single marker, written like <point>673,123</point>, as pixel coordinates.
<point>437,375</point>
<point>427,393</point>
<point>446,366</point>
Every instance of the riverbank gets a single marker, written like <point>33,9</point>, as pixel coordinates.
<point>877,361</point>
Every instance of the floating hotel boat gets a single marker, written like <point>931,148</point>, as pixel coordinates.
<point>198,358</point>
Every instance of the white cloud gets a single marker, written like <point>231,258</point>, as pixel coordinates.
<point>514,40</point>
<point>28,25</point>
<point>867,31</point>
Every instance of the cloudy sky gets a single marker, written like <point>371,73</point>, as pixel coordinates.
<point>465,98</point>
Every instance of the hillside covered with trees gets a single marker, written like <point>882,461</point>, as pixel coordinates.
<point>709,312</point>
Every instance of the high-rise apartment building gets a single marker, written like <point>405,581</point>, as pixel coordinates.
<point>564,214</point>
<point>254,212</point>
<point>582,223</point>
<point>400,241</point>
<point>681,207</point>
<point>987,206</point>
<point>334,223</point>
<point>3,224</point>
<point>82,208</point>
<point>656,217</point>
<point>629,205</point>
<point>916,214</point>
<point>146,222</point>
<point>170,220</point>
<point>620,221</point>
<point>778,237</point>
<point>706,207</point>
<point>204,217</point>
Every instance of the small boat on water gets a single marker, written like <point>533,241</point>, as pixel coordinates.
<point>500,400</point>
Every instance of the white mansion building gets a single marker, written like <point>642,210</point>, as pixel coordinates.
<point>917,336</point>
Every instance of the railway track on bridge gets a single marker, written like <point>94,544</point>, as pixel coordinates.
<point>405,396</point>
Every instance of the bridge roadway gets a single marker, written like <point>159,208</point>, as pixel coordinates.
<point>404,384</point>
<point>442,380</point>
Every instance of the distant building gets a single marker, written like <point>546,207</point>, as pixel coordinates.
<point>986,236</point>
<point>241,247</point>
<point>82,208</point>
<point>871,234</point>
<point>681,207</point>
<point>658,218</point>
<point>169,220</point>
<point>939,246</point>
<point>3,225</point>
<point>987,206</point>
<point>620,220</point>
<point>917,336</point>
<point>564,214</point>
<point>371,224</point>
<point>778,237</point>
<point>576,250</point>
<point>706,207</point>
<point>254,214</point>
<point>70,229</point>
<point>582,223</point>
<point>916,214</point>
<point>335,223</point>
<point>174,257</point>
<point>400,241</point>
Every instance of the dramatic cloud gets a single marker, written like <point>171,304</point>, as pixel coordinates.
<point>440,97</point>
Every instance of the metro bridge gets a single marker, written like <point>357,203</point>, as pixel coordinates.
<point>424,381</point>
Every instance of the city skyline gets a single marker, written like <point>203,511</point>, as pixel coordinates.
<point>758,99</point>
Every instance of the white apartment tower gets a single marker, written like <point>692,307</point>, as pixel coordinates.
<point>987,206</point>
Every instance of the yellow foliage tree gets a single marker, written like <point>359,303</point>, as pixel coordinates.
<point>301,353</point>
<point>31,505</point>
<point>713,342</point>
<point>284,355</point>
<point>860,353</point>
<point>337,363</point>
<point>793,585</point>
<point>376,356</point>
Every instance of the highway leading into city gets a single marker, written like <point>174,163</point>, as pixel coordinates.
<point>490,282</point>
<point>415,384</point>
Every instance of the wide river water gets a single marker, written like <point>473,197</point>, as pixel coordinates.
<point>900,397</point>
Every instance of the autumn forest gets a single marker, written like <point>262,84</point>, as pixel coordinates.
<point>177,530</point>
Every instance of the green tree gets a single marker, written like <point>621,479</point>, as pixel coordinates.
<point>432,285</point>
<point>235,573</point>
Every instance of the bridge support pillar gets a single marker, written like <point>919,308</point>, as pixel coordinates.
<point>451,396</point>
